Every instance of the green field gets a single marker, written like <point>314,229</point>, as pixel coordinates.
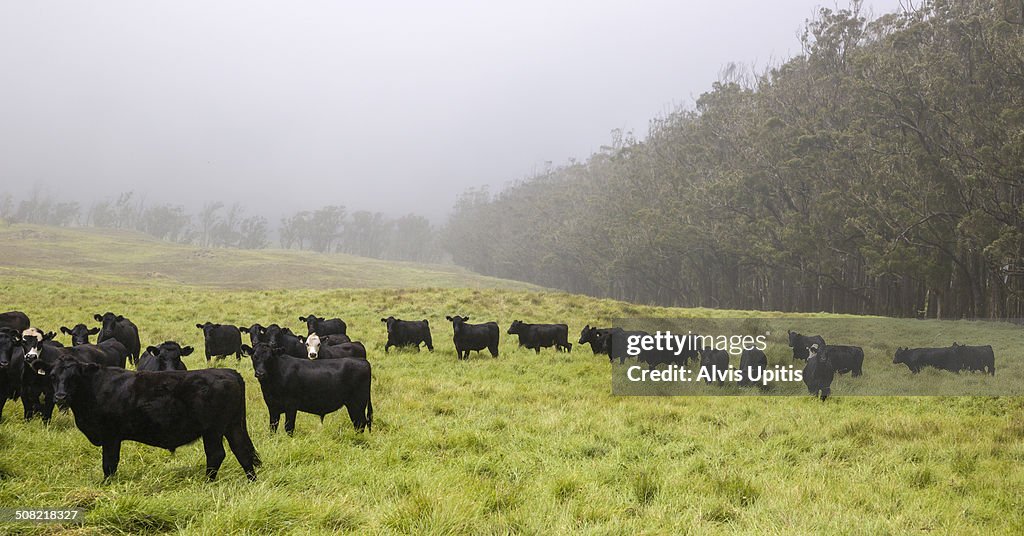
<point>522,444</point>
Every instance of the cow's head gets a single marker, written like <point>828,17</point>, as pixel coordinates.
<point>589,334</point>
<point>272,334</point>
<point>79,334</point>
<point>108,321</point>
<point>263,357</point>
<point>33,344</point>
<point>312,345</point>
<point>815,352</point>
<point>516,327</point>
<point>169,355</point>
<point>900,356</point>
<point>458,323</point>
<point>255,332</point>
<point>390,322</point>
<point>793,337</point>
<point>9,338</point>
<point>68,375</point>
<point>311,322</point>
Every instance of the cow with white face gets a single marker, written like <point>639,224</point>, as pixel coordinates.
<point>313,346</point>
<point>32,342</point>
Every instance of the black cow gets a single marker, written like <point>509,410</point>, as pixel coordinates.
<point>11,365</point>
<point>164,409</point>
<point>255,333</point>
<point>800,344</point>
<point>473,337</point>
<point>221,340</point>
<point>122,329</point>
<point>79,334</point>
<point>712,364</point>
<point>407,333</point>
<point>324,326</point>
<point>917,358</point>
<point>597,338</point>
<point>167,356</point>
<point>537,336</point>
<point>976,358</point>
<point>845,358</point>
<point>283,338</point>
<point>818,373</point>
<point>318,386</point>
<point>753,362</point>
<point>16,320</point>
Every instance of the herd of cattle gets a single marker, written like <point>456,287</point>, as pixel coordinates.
<point>167,406</point>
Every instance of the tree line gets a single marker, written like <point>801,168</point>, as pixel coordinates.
<point>329,229</point>
<point>881,171</point>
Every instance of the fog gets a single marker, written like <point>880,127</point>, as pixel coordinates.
<point>394,107</point>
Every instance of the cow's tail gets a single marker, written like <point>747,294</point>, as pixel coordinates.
<point>369,413</point>
<point>256,461</point>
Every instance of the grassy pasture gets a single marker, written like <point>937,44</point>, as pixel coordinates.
<point>521,444</point>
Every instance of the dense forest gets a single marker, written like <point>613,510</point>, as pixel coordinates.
<point>881,171</point>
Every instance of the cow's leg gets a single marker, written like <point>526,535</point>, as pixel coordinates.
<point>213,444</point>
<point>357,413</point>
<point>386,346</point>
<point>275,417</point>
<point>111,457</point>
<point>537,349</point>
<point>47,406</point>
<point>430,345</point>
<point>28,404</point>
<point>289,421</point>
<point>208,356</point>
<point>243,449</point>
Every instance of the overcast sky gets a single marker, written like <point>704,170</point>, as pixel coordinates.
<point>391,106</point>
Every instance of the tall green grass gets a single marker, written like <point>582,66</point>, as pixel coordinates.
<point>521,444</point>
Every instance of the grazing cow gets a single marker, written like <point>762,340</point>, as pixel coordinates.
<point>712,363</point>
<point>11,364</point>
<point>917,358</point>
<point>800,344</point>
<point>403,333</point>
<point>597,338</point>
<point>165,410</point>
<point>79,334</point>
<point>122,329</point>
<point>845,358</point>
<point>976,358</point>
<point>16,320</point>
<point>167,356</point>
<point>221,340</point>
<point>473,337</point>
<point>753,362</point>
<point>818,373</point>
<point>324,326</point>
<point>319,386</point>
<point>537,336</point>
<point>316,349</point>
<point>255,332</point>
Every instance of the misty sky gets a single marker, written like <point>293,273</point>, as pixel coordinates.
<point>393,106</point>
